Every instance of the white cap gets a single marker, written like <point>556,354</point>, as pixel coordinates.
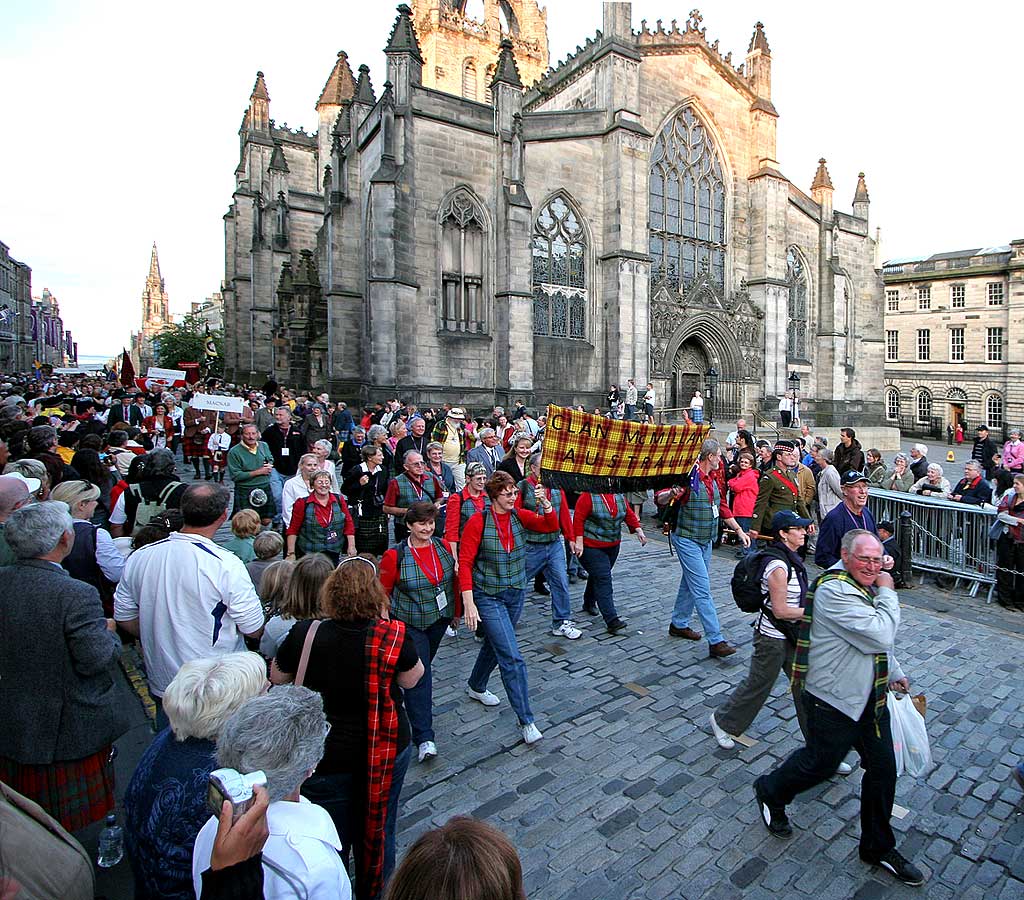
<point>33,484</point>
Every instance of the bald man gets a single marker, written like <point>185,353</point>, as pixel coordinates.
<point>14,493</point>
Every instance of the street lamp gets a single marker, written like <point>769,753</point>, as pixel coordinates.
<point>711,377</point>
<point>794,386</point>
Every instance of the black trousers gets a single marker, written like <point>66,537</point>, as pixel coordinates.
<point>830,735</point>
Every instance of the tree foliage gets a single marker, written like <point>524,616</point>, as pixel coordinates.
<point>186,342</point>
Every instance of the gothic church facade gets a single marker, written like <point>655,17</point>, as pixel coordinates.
<point>464,236</point>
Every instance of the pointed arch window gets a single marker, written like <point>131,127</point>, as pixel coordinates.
<point>469,79</point>
<point>463,231</point>
<point>560,292</point>
<point>687,205</point>
<point>796,333</point>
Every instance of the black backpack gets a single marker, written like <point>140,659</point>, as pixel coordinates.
<point>746,579</point>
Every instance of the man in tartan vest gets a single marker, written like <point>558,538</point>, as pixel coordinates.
<point>406,489</point>
<point>843,668</point>
<point>699,505</point>
<point>492,578</point>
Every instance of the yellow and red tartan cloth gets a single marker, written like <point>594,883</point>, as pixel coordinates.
<point>583,452</point>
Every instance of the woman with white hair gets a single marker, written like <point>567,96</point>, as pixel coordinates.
<point>93,559</point>
<point>322,451</point>
<point>282,734</point>
<point>901,478</point>
<point>830,493</point>
<point>933,484</point>
<point>165,804</point>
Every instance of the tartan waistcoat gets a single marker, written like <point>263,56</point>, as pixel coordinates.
<point>601,525</point>
<point>697,520</point>
<point>467,509</point>
<point>407,492</point>
<point>414,599</point>
<point>495,569</point>
<point>312,536</point>
<point>530,503</point>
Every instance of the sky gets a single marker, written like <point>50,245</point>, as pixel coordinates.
<point>120,123</point>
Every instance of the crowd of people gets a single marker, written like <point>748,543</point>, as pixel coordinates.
<point>302,647</point>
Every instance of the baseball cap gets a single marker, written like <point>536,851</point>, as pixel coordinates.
<point>786,518</point>
<point>853,477</point>
<point>33,484</point>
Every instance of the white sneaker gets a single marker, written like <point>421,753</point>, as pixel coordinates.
<point>485,697</point>
<point>428,750</point>
<point>568,630</point>
<point>531,733</point>
<point>450,632</point>
<point>844,768</point>
<point>724,741</point>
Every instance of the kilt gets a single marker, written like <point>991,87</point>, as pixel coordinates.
<point>372,534</point>
<point>75,792</point>
<point>195,446</point>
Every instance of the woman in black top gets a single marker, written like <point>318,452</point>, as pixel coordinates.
<point>517,460</point>
<point>364,487</point>
<point>353,601</point>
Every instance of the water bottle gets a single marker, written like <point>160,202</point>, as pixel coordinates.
<point>111,847</point>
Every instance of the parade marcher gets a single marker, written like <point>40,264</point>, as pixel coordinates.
<point>218,446</point>
<point>419,577</point>
<point>342,422</point>
<point>299,486</point>
<point>416,438</point>
<point>597,521</point>
<point>517,461</point>
<point>365,486</point>
<point>778,490</point>
<point>199,425</point>
<point>852,513</point>
<point>405,489</point>
<point>844,666</point>
<point>320,523</point>
<point>450,433</point>
<point>250,464</point>
<point>61,693</point>
<point>695,509</point>
<point>465,504</point>
<point>492,579</point>
<point>286,445</point>
<point>545,556</point>
<point>322,451</point>
<point>316,427</point>
<point>158,428</point>
<point>350,454</point>
<point>370,733</point>
<point>377,436</point>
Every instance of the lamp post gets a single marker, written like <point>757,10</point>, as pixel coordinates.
<point>794,386</point>
<point>711,377</point>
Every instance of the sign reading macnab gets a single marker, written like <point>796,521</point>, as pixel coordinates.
<point>584,452</point>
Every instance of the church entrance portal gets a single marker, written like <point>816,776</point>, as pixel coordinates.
<point>688,368</point>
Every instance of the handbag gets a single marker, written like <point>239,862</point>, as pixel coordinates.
<point>909,736</point>
<point>307,646</point>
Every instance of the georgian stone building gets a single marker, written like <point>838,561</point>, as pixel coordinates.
<point>953,347</point>
<point>470,233</point>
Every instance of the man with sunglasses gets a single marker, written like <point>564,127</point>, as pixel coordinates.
<point>844,666</point>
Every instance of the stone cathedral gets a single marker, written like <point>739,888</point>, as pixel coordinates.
<point>481,227</point>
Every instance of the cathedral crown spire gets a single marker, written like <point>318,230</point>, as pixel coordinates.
<point>154,265</point>
<point>364,90</point>
<point>861,194</point>
<point>821,178</point>
<point>758,41</point>
<point>257,116</point>
<point>403,35</point>
<point>340,86</point>
<point>506,71</point>
<point>259,89</point>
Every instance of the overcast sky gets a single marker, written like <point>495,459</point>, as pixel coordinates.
<point>120,123</point>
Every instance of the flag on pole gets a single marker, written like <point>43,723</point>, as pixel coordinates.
<point>127,369</point>
<point>211,346</point>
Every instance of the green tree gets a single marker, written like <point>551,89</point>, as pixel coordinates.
<point>186,342</point>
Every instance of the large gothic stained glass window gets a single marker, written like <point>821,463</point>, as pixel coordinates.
<point>462,265</point>
<point>559,272</point>
<point>796,334</point>
<point>687,205</point>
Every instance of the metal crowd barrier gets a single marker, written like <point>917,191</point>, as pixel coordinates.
<point>942,536</point>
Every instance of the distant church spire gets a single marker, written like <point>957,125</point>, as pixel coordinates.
<point>156,315</point>
<point>258,115</point>
<point>821,177</point>
<point>758,41</point>
<point>154,268</point>
<point>340,86</point>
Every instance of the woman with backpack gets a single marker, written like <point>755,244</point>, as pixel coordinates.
<point>783,584</point>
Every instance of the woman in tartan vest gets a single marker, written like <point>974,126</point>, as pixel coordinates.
<point>419,577</point>
<point>465,504</point>
<point>597,526</point>
<point>321,523</point>
<point>492,578</point>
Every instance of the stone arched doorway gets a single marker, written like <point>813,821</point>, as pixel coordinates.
<point>687,370</point>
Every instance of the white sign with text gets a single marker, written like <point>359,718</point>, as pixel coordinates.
<point>216,402</point>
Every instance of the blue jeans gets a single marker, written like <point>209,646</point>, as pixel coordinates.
<point>572,561</point>
<point>695,587</point>
<point>419,700</point>
<point>343,795</point>
<point>598,561</point>
<point>498,618</point>
<point>549,558</point>
<point>277,481</point>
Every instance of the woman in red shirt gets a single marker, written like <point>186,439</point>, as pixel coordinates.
<point>321,523</point>
<point>158,428</point>
<point>744,487</point>
<point>597,525</point>
<point>419,577</point>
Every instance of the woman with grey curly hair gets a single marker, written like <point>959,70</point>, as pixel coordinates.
<point>282,734</point>
<point>901,478</point>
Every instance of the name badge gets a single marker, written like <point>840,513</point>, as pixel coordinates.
<point>332,536</point>
<point>285,451</point>
<point>714,510</point>
<point>442,601</point>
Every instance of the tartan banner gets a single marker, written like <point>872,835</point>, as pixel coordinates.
<point>584,452</point>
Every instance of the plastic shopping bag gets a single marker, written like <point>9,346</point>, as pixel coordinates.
<point>909,736</point>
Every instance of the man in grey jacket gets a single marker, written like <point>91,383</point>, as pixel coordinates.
<point>845,661</point>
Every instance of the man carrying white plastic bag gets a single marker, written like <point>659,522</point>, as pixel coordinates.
<point>909,736</point>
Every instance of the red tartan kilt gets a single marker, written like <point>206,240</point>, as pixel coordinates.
<point>75,792</point>
<point>196,446</point>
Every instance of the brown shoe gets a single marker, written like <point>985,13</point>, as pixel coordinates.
<point>687,633</point>
<point>720,650</point>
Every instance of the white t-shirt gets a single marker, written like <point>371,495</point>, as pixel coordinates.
<point>294,489</point>
<point>303,843</point>
<point>192,598</point>
<point>696,403</point>
<point>764,624</point>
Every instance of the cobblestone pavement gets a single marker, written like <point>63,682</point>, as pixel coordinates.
<point>628,796</point>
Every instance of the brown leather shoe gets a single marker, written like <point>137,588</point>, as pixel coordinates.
<point>720,650</point>
<point>687,633</point>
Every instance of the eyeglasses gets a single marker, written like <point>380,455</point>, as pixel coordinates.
<point>868,560</point>
<point>511,492</point>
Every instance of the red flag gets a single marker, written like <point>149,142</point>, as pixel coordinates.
<point>127,370</point>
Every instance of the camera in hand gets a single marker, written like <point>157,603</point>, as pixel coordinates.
<point>236,788</point>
